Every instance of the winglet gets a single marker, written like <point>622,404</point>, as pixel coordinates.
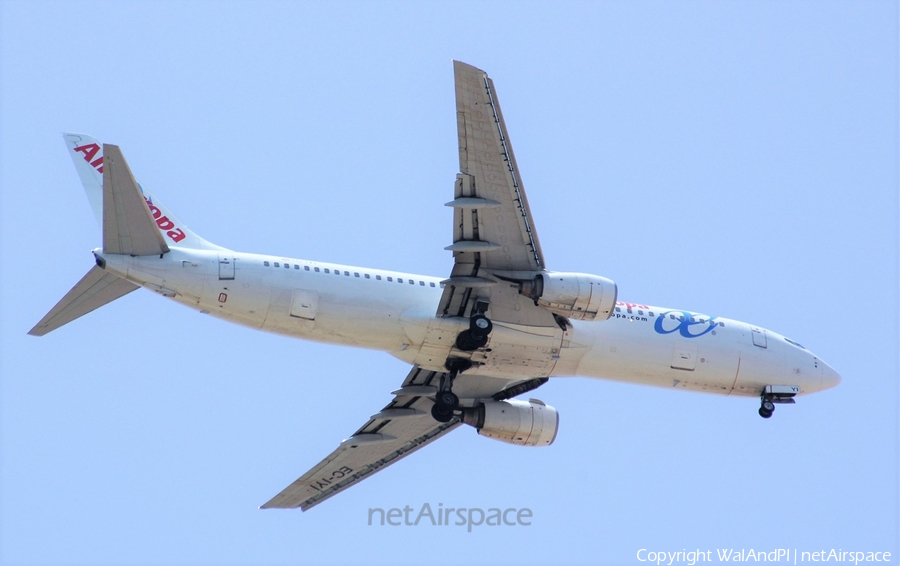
<point>128,225</point>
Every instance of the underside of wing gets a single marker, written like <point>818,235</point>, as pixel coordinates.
<point>401,428</point>
<point>494,236</point>
<point>491,213</point>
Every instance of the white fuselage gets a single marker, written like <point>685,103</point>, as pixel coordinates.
<point>395,312</point>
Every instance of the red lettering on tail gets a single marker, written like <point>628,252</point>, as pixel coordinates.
<point>89,151</point>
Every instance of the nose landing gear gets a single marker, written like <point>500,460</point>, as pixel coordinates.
<point>776,394</point>
<point>766,408</point>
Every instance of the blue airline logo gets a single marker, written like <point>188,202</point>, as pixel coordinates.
<point>687,324</point>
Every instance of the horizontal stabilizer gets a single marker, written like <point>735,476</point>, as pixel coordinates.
<point>128,225</point>
<point>93,291</point>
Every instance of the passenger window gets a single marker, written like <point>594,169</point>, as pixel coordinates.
<point>432,283</point>
<point>390,279</point>
<point>422,283</point>
<point>650,313</point>
<point>266,263</point>
<point>317,269</point>
<point>337,271</point>
<point>305,268</point>
<point>399,280</point>
<point>296,266</point>
<point>367,276</point>
<point>347,273</point>
<point>287,266</point>
<point>640,312</point>
<point>277,265</point>
<point>618,309</point>
<point>412,282</point>
<point>326,270</point>
<point>355,274</point>
<point>378,277</point>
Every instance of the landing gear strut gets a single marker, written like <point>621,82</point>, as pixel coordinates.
<point>445,400</point>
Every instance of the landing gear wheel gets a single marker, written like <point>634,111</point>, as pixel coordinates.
<point>445,400</point>
<point>477,334</point>
<point>441,413</point>
<point>448,399</point>
<point>766,409</point>
<point>480,325</point>
<point>469,343</point>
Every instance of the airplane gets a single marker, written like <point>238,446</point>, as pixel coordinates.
<point>499,326</point>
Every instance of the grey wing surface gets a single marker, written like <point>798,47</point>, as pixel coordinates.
<point>493,228</point>
<point>401,428</point>
<point>493,237</point>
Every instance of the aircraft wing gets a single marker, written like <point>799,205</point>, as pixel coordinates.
<point>401,428</point>
<point>493,229</point>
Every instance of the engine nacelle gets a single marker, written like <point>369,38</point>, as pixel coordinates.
<point>525,423</point>
<point>574,295</point>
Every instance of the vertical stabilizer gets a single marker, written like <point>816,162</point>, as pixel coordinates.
<point>128,224</point>
<point>89,159</point>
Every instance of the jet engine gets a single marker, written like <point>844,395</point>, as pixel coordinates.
<point>573,295</point>
<point>525,423</point>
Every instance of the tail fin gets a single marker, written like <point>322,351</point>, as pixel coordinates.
<point>93,291</point>
<point>87,154</point>
<point>132,221</point>
<point>128,224</point>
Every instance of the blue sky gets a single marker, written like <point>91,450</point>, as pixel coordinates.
<point>737,159</point>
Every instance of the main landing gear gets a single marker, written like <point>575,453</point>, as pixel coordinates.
<point>477,334</point>
<point>445,400</point>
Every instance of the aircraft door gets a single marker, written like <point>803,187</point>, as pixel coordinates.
<point>226,267</point>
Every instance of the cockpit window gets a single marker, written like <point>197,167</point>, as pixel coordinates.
<point>789,341</point>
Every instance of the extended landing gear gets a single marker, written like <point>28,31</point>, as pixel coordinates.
<point>766,409</point>
<point>446,401</point>
<point>477,334</point>
<point>776,394</point>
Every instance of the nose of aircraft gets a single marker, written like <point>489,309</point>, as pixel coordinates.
<point>830,378</point>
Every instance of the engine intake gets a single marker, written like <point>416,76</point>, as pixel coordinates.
<point>574,295</point>
<point>524,423</point>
